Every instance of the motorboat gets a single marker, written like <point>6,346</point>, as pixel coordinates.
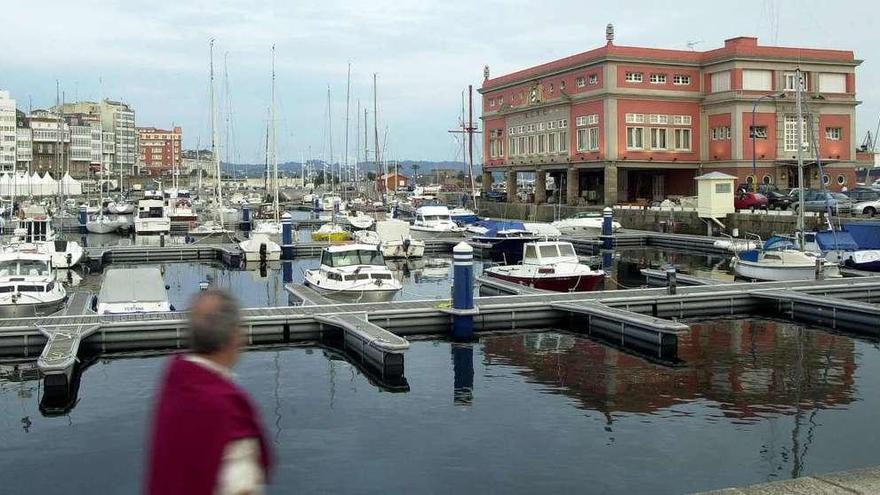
<point>34,233</point>
<point>396,241</point>
<point>838,246</point>
<point>119,295</point>
<point>180,209</point>
<point>259,248</point>
<point>329,202</point>
<point>358,220</point>
<point>463,216</point>
<point>27,285</point>
<point>120,208</point>
<point>584,223</point>
<point>267,226</point>
<point>433,222</point>
<point>504,238</point>
<point>209,228</point>
<point>780,260</point>
<point>102,224</point>
<point>353,272</point>
<point>331,232</point>
<point>549,265</point>
<point>152,217</point>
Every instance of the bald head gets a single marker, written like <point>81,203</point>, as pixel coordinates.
<point>213,322</point>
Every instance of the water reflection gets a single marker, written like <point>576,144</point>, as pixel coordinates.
<point>748,368</point>
<point>463,373</point>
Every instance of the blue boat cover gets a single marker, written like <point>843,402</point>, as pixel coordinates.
<point>865,234</point>
<point>778,242</point>
<point>833,241</point>
<point>493,226</point>
<point>749,255</point>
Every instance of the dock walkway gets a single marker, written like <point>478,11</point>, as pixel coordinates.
<point>58,358</point>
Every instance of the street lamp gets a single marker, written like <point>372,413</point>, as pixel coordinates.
<point>754,136</point>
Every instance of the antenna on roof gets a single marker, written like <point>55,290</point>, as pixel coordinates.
<point>692,44</point>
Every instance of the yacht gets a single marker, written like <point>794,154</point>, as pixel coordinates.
<point>433,222</point>
<point>354,272</point>
<point>34,233</point>
<point>119,295</point>
<point>260,248</point>
<point>330,232</point>
<point>102,224</point>
<point>396,241</point>
<point>550,265</point>
<point>779,260</point>
<point>27,285</point>
<point>583,223</point>
<point>357,220</point>
<point>463,216</point>
<point>504,238</point>
<point>152,217</point>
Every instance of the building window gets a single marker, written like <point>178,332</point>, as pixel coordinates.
<point>832,83</point>
<point>757,80</point>
<point>551,143</point>
<point>720,81</point>
<point>540,126</point>
<point>551,125</point>
<point>563,141</point>
<point>582,139</point>
<point>790,134</point>
<point>758,132</point>
<point>826,179</point>
<point>658,78</point>
<point>541,145</point>
<point>550,88</point>
<point>500,101</point>
<point>683,139</point>
<point>562,85</point>
<point>833,133</point>
<point>593,138</point>
<point>521,147</point>
<point>593,119</point>
<point>681,120</point>
<point>635,118</point>
<point>491,102</point>
<point>521,129</point>
<point>581,121</point>
<point>531,148</point>
<point>767,180</point>
<point>789,79</point>
<point>720,133</point>
<point>658,119</point>
<point>681,79</point>
<point>511,146</point>
<point>510,131</point>
<point>531,128</point>
<point>580,82</point>
<point>635,77</point>
<point>635,138</point>
<point>563,123</point>
<point>658,138</point>
<point>594,79</point>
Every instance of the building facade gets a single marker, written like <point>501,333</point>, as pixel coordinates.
<point>8,134</point>
<point>159,150</point>
<point>118,134</point>
<point>628,124</point>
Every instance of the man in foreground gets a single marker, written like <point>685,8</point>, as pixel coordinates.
<point>207,437</point>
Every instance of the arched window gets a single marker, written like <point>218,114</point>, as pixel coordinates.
<point>750,179</point>
<point>841,180</point>
<point>826,179</point>
<point>767,180</point>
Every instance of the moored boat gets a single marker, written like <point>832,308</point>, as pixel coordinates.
<point>353,272</point>
<point>433,222</point>
<point>27,285</point>
<point>260,248</point>
<point>331,233</point>
<point>550,265</point>
<point>119,295</point>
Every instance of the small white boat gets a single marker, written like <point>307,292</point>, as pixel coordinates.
<point>35,234</point>
<point>260,248</point>
<point>267,226</point>
<point>102,224</point>
<point>208,229</point>
<point>152,217</point>
<point>358,220</point>
<point>27,285</point>
<point>781,265</point>
<point>353,272</point>
<point>434,222</point>
<point>550,265</point>
<point>120,208</point>
<point>396,241</point>
<point>583,223</point>
<point>119,295</point>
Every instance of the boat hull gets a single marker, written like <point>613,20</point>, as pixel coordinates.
<point>573,283</point>
<point>355,296</point>
<point>152,226</point>
<point>425,234</point>
<point>332,237</point>
<point>20,310</point>
<point>396,250</point>
<point>755,271</point>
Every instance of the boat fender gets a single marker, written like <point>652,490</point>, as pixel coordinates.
<point>172,307</point>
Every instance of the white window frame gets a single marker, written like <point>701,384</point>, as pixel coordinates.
<point>580,82</point>
<point>681,120</point>
<point>681,80</point>
<point>563,124</point>
<point>655,134</point>
<point>581,121</point>
<point>553,138</point>
<point>581,139</point>
<point>720,81</point>
<point>593,138</point>
<point>593,79</point>
<point>658,79</point>
<point>788,81</point>
<point>540,126</point>
<point>631,134</point>
<point>635,118</point>
<point>679,143</point>
<point>634,77</point>
<point>541,147</point>
<point>757,80</point>
<point>593,119</point>
<point>563,141</point>
<point>790,132</point>
<point>658,119</point>
<point>834,133</point>
<point>511,146</point>
<point>551,125</point>
<point>832,82</point>
<point>511,131</point>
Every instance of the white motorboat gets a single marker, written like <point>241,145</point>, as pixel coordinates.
<point>331,202</point>
<point>119,295</point>
<point>152,217</point>
<point>267,226</point>
<point>583,223</point>
<point>209,228</point>
<point>396,241</point>
<point>550,265</point>
<point>120,208</point>
<point>781,265</point>
<point>102,224</point>
<point>27,285</point>
<point>260,248</point>
<point>433,222</point>
<point>34,233</point>
<point>358,220</point>
<point>353,272</point>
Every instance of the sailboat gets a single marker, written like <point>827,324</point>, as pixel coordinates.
<point>101,223</point>
<point>259,247</point>
<point>213,227</point>
<point>781,261</point>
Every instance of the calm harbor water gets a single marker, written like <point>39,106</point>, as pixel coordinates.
<point>753,400</point>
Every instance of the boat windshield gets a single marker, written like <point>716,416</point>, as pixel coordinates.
<point>350,258</point>
<point>434,218</point>
<point>566,250</point>
<point>23,268</point>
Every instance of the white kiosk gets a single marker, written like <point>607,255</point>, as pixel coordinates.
<point>715,194</point>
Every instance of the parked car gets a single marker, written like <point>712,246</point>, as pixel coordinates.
<point>750,200</point>
<point>870,207</point>
<point>496,196</point>
<point>863,193</point>
<point>820,201</point>
<point>776,199</point>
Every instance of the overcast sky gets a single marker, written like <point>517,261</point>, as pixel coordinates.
<point>154,55</point>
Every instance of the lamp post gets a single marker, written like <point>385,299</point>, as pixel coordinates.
<point>752,132</point>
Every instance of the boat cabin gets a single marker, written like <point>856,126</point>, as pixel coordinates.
<point>352,255</point>
<point>26,272</point>
<point>428,215</point>
<point>119,295</point>
<point>151,208</point>
<point>549,253</point>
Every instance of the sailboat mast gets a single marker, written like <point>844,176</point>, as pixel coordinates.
<point>376,139</point>
<point>215,152</point>
<point>274,144</point>
<point>347,105</point>
<point>357,145</point>
<point>266,171</point>
<point>471,130</point>
<point>800,157</point>
<point>330,140</point>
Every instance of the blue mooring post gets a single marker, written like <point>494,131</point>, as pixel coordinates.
<point>607,228</point>
<point>287,271</point>
<point>463,292</point>
<point>287,237</point>
<point>245,219</point>
<point>316,203</point>
<point>83,218</point>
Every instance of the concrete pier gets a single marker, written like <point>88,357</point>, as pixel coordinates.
<point>855,482</point>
